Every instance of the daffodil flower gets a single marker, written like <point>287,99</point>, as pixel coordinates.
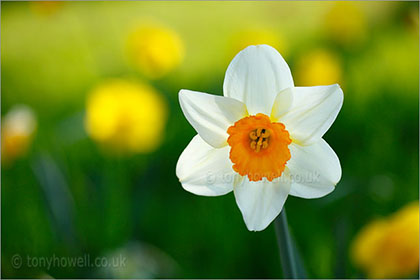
<point>262,139</point>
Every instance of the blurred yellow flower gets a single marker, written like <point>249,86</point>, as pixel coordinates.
<point>255,36</point>
<point>125,116</point>
<point>345,23</point>
<point>155,49</point>
<point>17,130</point>
<point>389,248</point>
<point>45,8</point>
<point>318,67</point>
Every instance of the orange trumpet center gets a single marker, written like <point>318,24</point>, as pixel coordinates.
<point>259,147</point>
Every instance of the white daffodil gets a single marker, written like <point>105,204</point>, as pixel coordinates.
<point>262,139</point>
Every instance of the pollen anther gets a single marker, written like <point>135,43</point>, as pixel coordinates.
<point>259,139</point>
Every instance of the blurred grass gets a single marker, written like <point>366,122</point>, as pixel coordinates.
<point>50,61</point>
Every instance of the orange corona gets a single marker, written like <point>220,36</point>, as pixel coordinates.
<point>259,147</point>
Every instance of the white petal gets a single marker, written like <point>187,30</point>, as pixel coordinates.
<point>255,76</point>
<point>282,104</point>
<point>211,115</point>
<point>314,169</point>
<point>260,202</point>
<point>313,111</point>
<point>204,170</point>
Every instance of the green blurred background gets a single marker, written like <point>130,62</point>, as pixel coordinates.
<point>67,196</point>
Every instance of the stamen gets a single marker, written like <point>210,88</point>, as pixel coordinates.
<point>265,144</point>
<point>253,145</point>
<point>265,134</point>
<point>253,135</point>
<point>259,139</point>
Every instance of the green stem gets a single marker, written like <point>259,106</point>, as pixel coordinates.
<point>287,254</point>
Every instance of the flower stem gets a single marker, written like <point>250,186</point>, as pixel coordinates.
<point>287,254</point>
